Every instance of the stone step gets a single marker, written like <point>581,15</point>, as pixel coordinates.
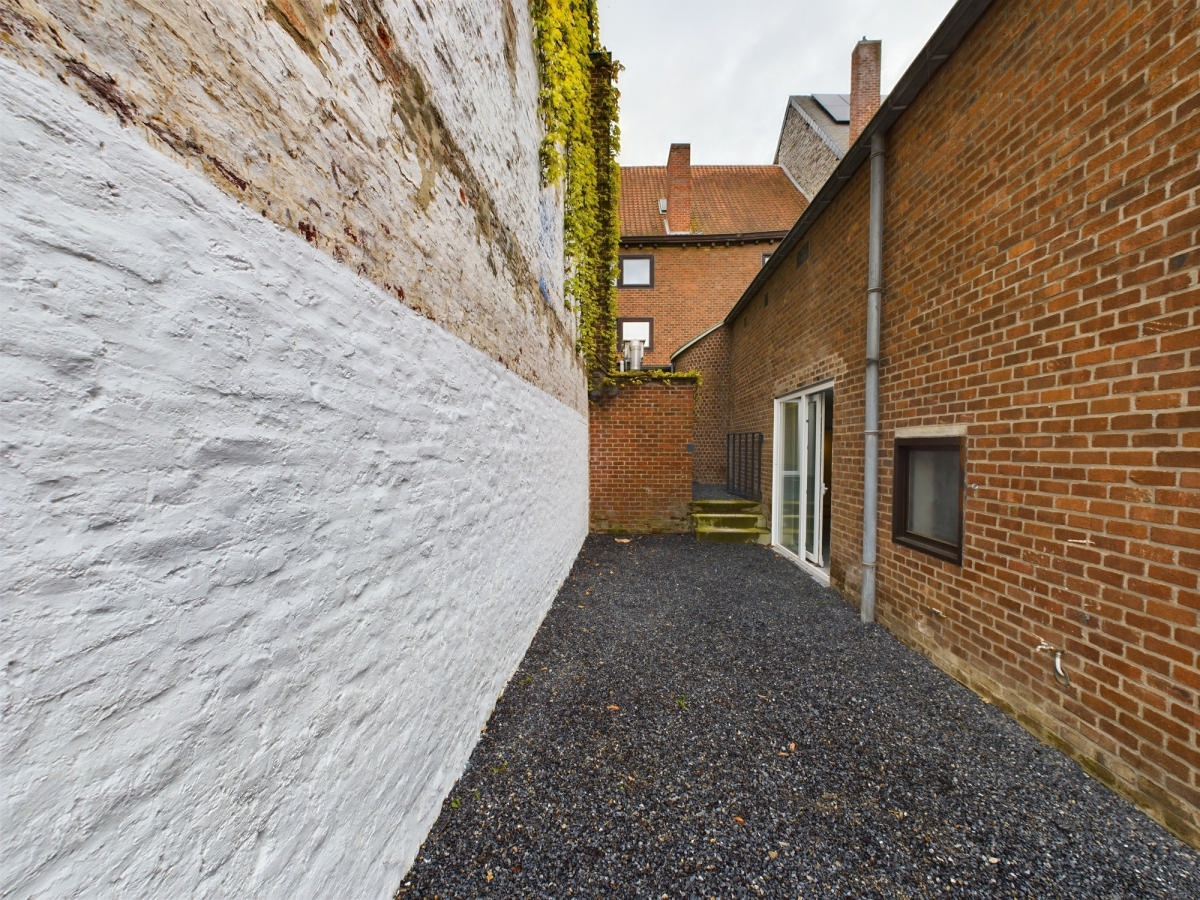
<point>726,506</point>
<point>750,519</point>
<point>730,521</point>
<point>734,535</point>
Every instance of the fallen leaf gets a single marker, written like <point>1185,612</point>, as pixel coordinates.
<point>489,876</point>
<point>613,707</point>
<point>622,540</point>
<point>792,747</point>
<point>773,854</point>
<point>739,820</point>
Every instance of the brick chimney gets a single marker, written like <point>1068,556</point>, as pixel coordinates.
<point>864,85</point>
<point>679,189</point>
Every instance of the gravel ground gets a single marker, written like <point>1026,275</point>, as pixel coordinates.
<point>702,720</point>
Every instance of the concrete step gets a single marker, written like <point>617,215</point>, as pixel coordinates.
<point>730,521</point>
<point>726,506</point>
<point>734,535</point>
<point>751,520</point>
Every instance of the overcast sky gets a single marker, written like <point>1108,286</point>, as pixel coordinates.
<point>716,74</point>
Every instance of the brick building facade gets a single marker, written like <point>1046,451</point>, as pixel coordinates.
<point>1039,396</point>
<point>815,135</point>
<point>692,237</point>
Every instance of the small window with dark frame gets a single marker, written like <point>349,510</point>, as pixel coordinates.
<point>636,271</point>
<point>927,495</point>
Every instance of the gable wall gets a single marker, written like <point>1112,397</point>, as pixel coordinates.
<point>1040,290</point>
<point>803,154</point>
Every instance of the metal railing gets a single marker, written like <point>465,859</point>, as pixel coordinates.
<point>743,464</point>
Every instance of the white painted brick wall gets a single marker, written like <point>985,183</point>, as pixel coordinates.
<point>272,542</point>
<point>405,145</point>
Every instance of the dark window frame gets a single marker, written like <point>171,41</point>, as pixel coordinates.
<point>621,269</point>
<point>951,552</point>
<point>649,320</point>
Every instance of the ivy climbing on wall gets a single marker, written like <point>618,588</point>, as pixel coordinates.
<point>579,151</point>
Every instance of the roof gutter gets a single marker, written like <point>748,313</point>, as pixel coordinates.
<point>961,18</point>
<point>747,237</point>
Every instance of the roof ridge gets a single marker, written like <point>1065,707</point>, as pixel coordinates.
<point>695,166</point>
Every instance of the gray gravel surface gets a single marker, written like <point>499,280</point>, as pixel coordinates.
<point>703,720</point>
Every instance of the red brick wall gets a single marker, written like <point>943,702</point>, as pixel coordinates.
<point>1042,220</point>
<point>709,357</point>
<point>694,289</point>
<point>807,327</point>
<point>640,466</point>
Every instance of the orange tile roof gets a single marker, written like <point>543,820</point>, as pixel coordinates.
<point>725,200</point>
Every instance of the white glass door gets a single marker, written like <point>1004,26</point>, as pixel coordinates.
<point>801,502</point>
<point>787,504</point>
<point>814,480</point>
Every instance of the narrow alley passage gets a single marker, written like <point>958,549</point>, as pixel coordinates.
<point>703,720</point>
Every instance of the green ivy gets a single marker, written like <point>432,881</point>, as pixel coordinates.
<point>579,111</point>
<point>646,376</point>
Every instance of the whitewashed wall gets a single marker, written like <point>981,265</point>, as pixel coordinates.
<point>400,137</point>
<point>272,541</point>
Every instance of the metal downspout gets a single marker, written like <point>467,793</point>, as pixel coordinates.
<point>871,419</point>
